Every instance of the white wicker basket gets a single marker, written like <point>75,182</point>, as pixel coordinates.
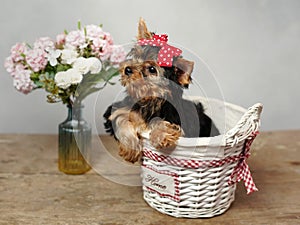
<point>194,179</point>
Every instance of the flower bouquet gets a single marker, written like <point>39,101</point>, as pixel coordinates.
<point>70,68</point>
<point>76,64</point>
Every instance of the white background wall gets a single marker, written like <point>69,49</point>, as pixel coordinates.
<point>253,47</point>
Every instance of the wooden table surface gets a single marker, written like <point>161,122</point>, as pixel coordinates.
<point>33,191</point>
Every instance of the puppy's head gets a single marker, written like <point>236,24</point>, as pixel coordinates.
<point>141,63</point>
<point>153,60</point>
<point>143,78</point>
<point>179,70</point>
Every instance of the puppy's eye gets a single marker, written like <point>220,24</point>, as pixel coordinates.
<point>152,69</point>
<point>128,71</point>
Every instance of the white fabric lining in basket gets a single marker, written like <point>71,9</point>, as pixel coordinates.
<point>176,183</point>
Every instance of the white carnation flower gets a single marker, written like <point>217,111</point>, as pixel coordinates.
<point>64,79</point>
<point>95,65</point>
<point>85,65</point>
<point>75,76</point>
<point>68,56</point>
<point>81,64</point>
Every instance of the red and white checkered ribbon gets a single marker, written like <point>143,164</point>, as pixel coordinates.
<point>240,172</point>
<point>191,163</point>
<point>166,52</point>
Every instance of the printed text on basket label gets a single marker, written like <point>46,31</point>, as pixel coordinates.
<point>155,182</point>
<point>161,182</point>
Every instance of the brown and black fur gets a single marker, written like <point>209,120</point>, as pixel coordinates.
<point>154,103</point>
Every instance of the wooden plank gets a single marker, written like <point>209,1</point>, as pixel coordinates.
<point>33,191</point>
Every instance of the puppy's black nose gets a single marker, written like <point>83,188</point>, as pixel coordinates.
<point>128,71</point>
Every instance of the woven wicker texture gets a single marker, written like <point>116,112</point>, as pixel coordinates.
<point>193,180</point>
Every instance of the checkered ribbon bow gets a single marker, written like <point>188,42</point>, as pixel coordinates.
<point>166,52</point>
<point>242,171</point>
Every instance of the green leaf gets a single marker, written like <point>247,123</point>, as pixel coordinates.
<point>29,46</point>
<point>62,67</point>
<point>35,77</point>
<point>39,84</point>
<point>85,32</point>
<point>110,73</point>
<point>111,83</point>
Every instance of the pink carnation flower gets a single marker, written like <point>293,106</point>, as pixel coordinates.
<point>37,59</point>
<point>22,81</point>
<point>75,38</point>
<point>108,38</point>
<point>94,32</point>
<point>9,65</point>
<point>61,39</point>
<point>12,67</point>
<point>100,48</point>
<point>105,52</point>
<point>118,54</point>
<point>18,51</point>
<point>44,43</point>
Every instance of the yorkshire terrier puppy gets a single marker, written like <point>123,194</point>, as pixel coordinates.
<point>155,75</point>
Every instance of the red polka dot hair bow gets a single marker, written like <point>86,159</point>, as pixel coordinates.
<point>166,52</point>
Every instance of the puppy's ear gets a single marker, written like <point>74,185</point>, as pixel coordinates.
<point>183,71</point>
<point>143,32</point>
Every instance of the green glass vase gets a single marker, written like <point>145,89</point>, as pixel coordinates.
<point>74,142</point>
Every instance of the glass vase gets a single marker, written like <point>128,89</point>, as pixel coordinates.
<point>74,142</point>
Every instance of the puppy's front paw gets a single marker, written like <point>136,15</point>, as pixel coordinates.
<point>130,147</point>
<point>128,154</point>
<point>164,134</point>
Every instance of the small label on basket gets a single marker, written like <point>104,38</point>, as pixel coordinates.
<point>162,182</point>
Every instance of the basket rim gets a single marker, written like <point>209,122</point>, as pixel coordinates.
<point>219,140</point>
